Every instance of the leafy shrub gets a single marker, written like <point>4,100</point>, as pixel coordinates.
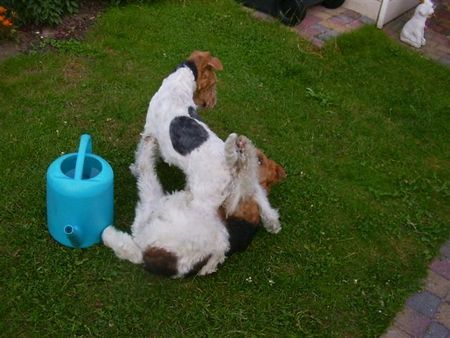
<point>6,22</point>
<point>42,11</point>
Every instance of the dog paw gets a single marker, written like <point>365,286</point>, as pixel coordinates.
<point>245,152</point>
<point>134,170</point>
<point>231,155</point>
<point>272,225</point>
<point>271,221</point>
<point>108,235</point>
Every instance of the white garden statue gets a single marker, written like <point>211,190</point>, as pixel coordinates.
<point>413,31</point>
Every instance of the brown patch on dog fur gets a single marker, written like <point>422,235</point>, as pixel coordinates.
<point>205,94</point>
<point>247,210</point>
<point>160,261</point>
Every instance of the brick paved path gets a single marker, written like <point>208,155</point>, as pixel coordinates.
<point>322,24</point>
<point>427,313</point>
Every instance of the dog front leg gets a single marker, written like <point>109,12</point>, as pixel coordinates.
<point>269,216</point>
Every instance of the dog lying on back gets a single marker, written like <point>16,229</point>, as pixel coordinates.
<point>173,237</point>
<point>188,143</point>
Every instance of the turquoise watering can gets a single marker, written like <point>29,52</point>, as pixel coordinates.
<point>80,197</point>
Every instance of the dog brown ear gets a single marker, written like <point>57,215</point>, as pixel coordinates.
<point>215,63</point>
<point>281,173</point>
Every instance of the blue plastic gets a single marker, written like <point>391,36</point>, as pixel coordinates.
<point>80,197</point>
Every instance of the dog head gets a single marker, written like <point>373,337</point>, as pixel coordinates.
<point>206,64</point>
<point>426,9</point>
<point>270,172</point>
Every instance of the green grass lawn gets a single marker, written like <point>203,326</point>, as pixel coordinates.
<point>361,127</point>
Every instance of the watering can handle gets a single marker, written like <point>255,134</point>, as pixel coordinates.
<point>84,147</point>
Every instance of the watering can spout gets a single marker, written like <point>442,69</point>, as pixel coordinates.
<point>73,234</point>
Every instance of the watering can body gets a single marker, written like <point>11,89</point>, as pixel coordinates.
<point>80,197</point>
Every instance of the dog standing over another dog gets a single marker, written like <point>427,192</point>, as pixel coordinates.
<point>188,143</point>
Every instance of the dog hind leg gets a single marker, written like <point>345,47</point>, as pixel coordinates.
<point>269,216</point>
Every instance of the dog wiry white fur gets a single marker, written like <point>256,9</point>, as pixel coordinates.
<point>192,232</point>
<point>414,30</point>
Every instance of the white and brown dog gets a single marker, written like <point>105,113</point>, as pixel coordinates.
<point>188,143</point>
<point>173,237</point>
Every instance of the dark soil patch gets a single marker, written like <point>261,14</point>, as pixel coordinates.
<point>72,27</point>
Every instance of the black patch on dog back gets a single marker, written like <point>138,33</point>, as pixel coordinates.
<point>186,134</point>
<point>191,65</point>
<point>194,113</point>
<point>197,267</point>
<point>160,261</point>
<point>241,234</point>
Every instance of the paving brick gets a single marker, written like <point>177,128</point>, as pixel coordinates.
<point>437,284</point>
<point>445,249</point>
<point>430,47</point>
<point>412,322</point>
<point>443,48</point>
<point>328,35</point>
<point>396,26</point>
<point>442,267</point>
<point>443,315</point>
<point>311,31</point>
<point>338,28</point>
<point>436,330</point>
<point>321,28</point>
<point>441,39</point>
<point>309,21</point>
<point>317,42</point>
<point>366,20</point>
<point>306,35</point>
<point>356,24</point>
<point>351,14</point>
<point>425,303</point>
<point>317,11</point>
<point>341,20</point>
<point>395,332</point>
<point>447,299</point>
